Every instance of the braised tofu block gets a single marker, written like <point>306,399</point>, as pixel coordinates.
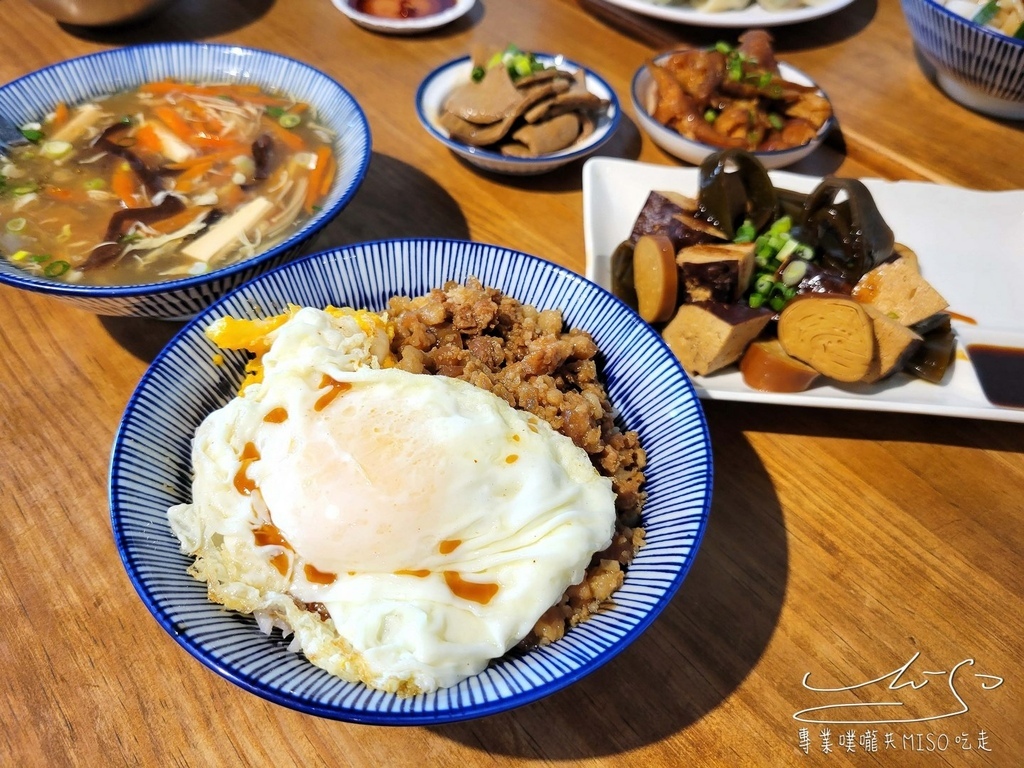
<point>894,344</point>
<point>709,335</point>
<point>897,289</point>
<point>766,367</point>
<point>716,271</point>
<point>832,334</point>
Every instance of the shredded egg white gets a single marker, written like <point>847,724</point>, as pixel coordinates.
<point>407,528</point>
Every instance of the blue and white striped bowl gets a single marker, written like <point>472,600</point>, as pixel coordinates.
<point>434,91</point>
<point>151,470</point>
<point>975,65</point>
<point>73,81</point>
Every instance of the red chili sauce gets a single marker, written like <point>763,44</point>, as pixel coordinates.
<point>1001,373</point>
<point>402,9</point>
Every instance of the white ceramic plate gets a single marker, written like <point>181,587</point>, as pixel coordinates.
<point>751,16</point>
<point>643,93</point>
<point>412,26</point>
<point>971,248</point>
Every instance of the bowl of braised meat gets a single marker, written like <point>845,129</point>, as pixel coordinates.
<point>695,102</point>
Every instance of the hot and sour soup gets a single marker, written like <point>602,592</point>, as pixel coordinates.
<point>166,181</point>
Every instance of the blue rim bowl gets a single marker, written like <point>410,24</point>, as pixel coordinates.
<point>432,92</point>
<point>642,88</point>
<point>974,65</point>
<point>75,80</point>
<point>151,470</point>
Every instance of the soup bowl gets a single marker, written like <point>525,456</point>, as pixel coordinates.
<point>151,470</point>
<point>74,81</point>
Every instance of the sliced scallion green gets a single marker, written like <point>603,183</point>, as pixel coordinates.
<point>986,13</point>
<point>55,149</point>
<point>745,233</point>
<point>16,225</point>
<point>289,120</point>
<point>56,268</point>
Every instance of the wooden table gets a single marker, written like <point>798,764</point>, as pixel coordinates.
<point>841,547</point>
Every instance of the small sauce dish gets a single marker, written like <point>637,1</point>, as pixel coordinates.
<point>411,25</point>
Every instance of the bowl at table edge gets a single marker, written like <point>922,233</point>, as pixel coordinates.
<point>96,13</point>
<point>405,26</point>
<point>77,80</point>
<point>434,91</point>
<point>151,470</point>
<point>975,65</point>
<point>643,93</point>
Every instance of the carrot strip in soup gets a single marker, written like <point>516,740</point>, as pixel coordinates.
<point>205,141</point>
<point>291,140</point>
<point>177,221</point>
<point>122,184</point>
<point>146,138</point>
<point>175,122</point>
<point>186,180</point>
<point>332,167</point>
<point>230,150</point>
<point>316,177</point>
<point>61,113</point>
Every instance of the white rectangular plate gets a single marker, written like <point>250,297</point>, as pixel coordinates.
<point>970,245</point>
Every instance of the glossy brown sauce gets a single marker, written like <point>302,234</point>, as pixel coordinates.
<point>448,546</point>
<point>276,416</point>
<point>316,576</point>
<point>961,318</point>
<point>421,573</point>
<point>511,458</point>
<point>269,534</point>
<point>1000,371</point>
<point>282,562</point>
<point>336,388</point>
<point>243,484</point>
<point>402,9</point>
<point>470,590</point>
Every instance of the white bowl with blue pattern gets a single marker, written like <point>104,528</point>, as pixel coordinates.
<point>73,81</point>
<point>974,64</point>
<point>151,471</point>
<point>436,87</point>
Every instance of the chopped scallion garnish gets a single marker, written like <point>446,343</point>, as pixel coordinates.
<point>56,268</point>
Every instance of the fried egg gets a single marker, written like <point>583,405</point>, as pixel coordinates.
<point>407,528</point>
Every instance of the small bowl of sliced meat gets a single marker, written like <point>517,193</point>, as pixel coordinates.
<point>515,112</point>
<point>698,101</point>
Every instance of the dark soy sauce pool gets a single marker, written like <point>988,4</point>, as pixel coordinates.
<point>1001,373</point>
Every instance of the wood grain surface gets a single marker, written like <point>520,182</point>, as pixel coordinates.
<point>842,545</point>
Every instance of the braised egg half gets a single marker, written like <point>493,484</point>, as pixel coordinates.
<point>407,528</point>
